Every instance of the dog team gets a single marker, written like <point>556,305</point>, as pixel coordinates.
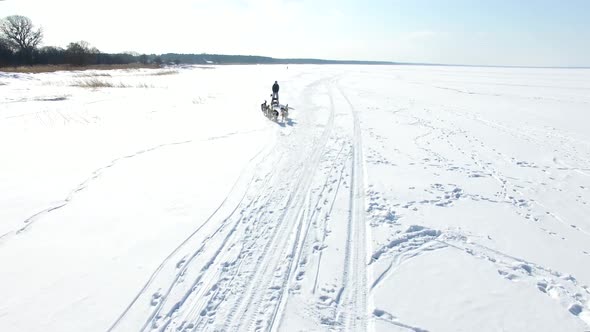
<point>270,111</point>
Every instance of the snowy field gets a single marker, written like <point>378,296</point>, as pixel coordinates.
<point>394,198</point>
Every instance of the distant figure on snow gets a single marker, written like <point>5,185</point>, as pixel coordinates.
<point>275,93</point>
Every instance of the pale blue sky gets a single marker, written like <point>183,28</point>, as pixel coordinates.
<point>493,32</point>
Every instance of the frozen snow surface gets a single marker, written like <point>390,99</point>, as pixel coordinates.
<point>393,198</point>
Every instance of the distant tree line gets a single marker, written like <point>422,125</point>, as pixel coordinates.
<point>20,40</point>
<point>253,59</point>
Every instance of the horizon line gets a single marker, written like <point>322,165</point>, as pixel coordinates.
<point>388,62</point>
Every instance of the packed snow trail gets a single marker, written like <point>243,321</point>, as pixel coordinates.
<point>241,273</point>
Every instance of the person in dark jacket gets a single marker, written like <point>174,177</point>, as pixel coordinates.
<point>275,92</point>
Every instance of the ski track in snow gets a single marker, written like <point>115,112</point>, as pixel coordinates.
<point>82,186</point>
<point>96,174</point>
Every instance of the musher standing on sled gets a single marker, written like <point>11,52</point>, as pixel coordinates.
<point>275,93</point>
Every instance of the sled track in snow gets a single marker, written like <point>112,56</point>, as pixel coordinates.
<point>355,275</point>
<point>331,208</point>
<point>293,219</point>
<point>218,282</point>
<point>305,224</point>
<point>237,274</point>
<point>151,280</point>
<point>243,266</point>
<point>188,311</point>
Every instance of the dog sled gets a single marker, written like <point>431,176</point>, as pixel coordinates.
<point>275,111</point>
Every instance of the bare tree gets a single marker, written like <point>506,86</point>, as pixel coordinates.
<point>81,53</point>
<point>81,47</point>
<point>20,33</point>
